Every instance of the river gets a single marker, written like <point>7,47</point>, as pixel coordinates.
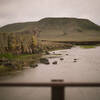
<point>85,69</point>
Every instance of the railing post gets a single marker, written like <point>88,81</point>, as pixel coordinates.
<point>57,92</point>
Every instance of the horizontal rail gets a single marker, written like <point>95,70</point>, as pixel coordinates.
<point>57,87</point>
<point>50,84</point>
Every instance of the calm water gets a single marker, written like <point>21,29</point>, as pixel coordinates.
<point>86,69</point>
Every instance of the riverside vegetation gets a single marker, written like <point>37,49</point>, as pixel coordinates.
<point>18,51</point>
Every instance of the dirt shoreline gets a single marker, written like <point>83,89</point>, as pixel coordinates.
<point>78,42</point>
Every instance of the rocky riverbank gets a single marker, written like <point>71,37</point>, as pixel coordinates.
<point>10,62</point>
<point>13,62</point>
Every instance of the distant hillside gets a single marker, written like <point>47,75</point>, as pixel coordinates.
<point>59,29</point>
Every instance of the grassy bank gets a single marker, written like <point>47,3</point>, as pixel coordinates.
<point>88,46</point>
<point>10,62</point>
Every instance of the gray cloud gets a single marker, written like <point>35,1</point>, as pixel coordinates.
<point>12,11</point>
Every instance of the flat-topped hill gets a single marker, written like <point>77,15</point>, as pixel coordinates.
<point>59,29</point>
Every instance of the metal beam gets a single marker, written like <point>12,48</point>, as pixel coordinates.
<point>48,84</point>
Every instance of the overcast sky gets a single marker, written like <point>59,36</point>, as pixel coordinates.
<point>12,11</point>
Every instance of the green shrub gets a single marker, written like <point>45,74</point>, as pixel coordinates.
<point>8,56</point>
<point>3,69</point>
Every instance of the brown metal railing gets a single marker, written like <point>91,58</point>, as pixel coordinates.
<point>57,87</point>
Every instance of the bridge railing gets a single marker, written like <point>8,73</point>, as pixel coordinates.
<point>57,87</point>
